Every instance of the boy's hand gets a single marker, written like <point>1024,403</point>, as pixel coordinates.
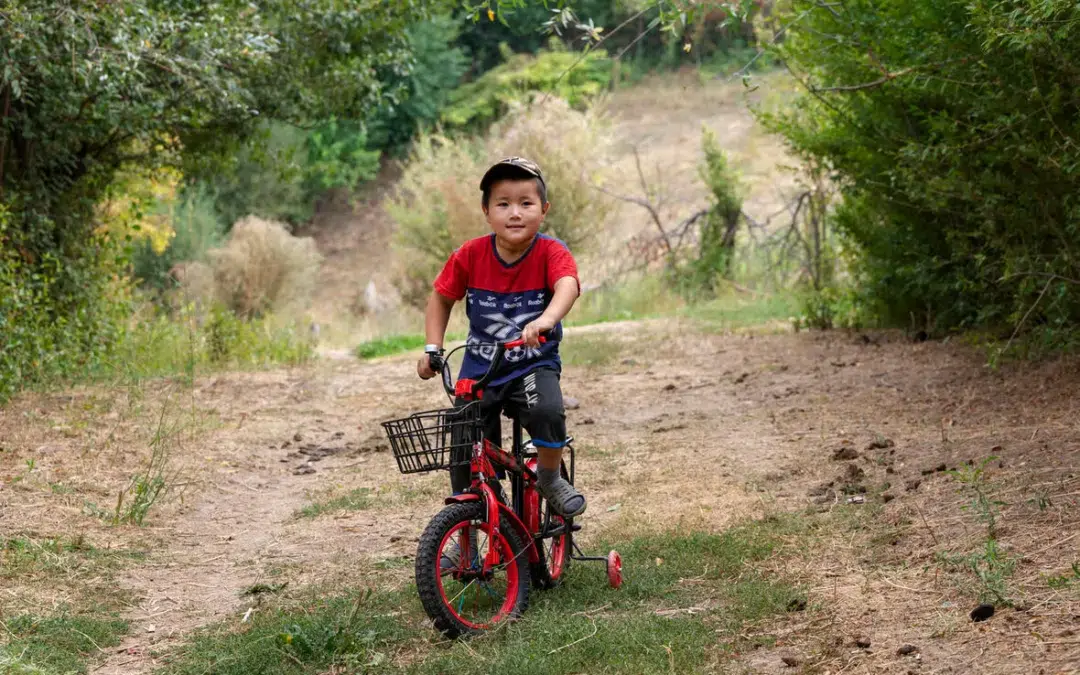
<point>531,333</point>
<point>423,368</point>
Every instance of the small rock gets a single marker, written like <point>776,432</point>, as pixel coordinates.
<point>571,403</point>
<point>912,485</point>
<point>742,378</point>
<point>982,612</point>
<point>669,387</point>
<point>889,469</point>
<point>587,420</point>
<point>297,437</point>
<point>906,650</point>
<point>789,660</point>
<point>286,444</point>
<point>845,452</point>
<point>862,642</point>
<point>886,497</point>
<point>940,467</point>
<point>396,538</point>
<point>339,434</point>
<point>303,470</point>
<point>629,362</point>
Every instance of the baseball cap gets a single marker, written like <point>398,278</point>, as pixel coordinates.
<point>511,165</point>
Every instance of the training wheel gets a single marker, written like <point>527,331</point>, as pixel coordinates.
<point>614,569</point>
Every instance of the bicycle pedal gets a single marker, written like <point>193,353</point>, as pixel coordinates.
<point>574,527</point>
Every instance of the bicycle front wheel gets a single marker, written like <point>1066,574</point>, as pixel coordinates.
<point>459,596</point>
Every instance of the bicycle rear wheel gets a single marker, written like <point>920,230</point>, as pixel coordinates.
<point>456,593</point>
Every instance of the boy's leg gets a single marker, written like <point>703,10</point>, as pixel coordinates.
<point>537,401</point>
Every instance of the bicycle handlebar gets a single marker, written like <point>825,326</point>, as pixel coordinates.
<point>441,363</point>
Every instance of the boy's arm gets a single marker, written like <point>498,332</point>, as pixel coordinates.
<point>566,294</point>
<point>436,317</point>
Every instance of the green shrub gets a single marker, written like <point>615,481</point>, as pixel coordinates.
<point>436,72</point>
<point>437,205</point>
<point>283,170</point>
<point>948,139</point>
<point>197,229</point>
<point>716,241</point>
<point>476,105</point>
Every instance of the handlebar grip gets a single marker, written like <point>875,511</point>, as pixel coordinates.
<point>435,361</point>
<point>520,342</point>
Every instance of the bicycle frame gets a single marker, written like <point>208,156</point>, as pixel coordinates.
<point>486,456</point>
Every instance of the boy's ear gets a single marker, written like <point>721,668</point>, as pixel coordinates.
<point>544,210</point>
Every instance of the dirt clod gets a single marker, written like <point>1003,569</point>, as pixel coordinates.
<point>742,378</point>
<point>587,421</point>
<point>669,387</point>
<point>303,470</point>
<point>862,642</point>
<point>790,660</point>
<point>845,452</point>
<point>907,650</point>
<point>297,437</point>
<point>880,443</point>
<point>912,485</point>
<point>982,612</point>
<point>796,605</point>
<point>886,497</point>
<point>853,472</point>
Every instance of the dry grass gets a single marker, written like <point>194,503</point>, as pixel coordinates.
<point>262,268</point>
<point>437,204</point>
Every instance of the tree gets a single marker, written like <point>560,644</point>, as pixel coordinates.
<point>951,128</point>
<point>89,88</point>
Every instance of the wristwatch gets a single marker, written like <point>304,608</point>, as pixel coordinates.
<point>432,349</point>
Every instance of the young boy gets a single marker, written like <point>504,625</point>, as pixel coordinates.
<point>516,283</point>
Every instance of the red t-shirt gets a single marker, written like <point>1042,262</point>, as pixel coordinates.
<point>502,298</point>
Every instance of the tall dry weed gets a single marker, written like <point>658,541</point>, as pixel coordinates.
<point>437,204</point>
<point>263,268</point>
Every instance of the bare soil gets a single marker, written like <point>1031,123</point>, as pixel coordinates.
<point>681,429</point>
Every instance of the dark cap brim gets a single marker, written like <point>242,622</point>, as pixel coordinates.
<point>508,169</point>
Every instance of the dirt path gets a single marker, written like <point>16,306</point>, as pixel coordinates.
<point>676,429</point>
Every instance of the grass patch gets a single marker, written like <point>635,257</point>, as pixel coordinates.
<point>26,556</point>
<point>732,311</point>
<point>642,298</point>
<point>590,350</point>
<point>59,644</point>
<point>359,499</point>
<point>640,628</point>
<point>391,344</point>
<point>396,344</point>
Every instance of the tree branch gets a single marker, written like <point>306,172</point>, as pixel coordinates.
<point>889,76</point>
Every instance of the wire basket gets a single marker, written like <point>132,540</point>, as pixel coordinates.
<point>437,439</point>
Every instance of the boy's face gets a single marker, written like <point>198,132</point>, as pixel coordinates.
<point>514,211</point>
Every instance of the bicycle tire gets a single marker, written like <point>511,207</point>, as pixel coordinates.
<point>429,581</point>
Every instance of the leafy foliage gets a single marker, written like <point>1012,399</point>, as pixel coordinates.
<point>90,89</point>
<point>423,93</point>
<point>948,127</point>
<point>476,105</point>
<point>716,244</point>
<point>282,171</point>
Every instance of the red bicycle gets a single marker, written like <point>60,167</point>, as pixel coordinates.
<point>478,557</point>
